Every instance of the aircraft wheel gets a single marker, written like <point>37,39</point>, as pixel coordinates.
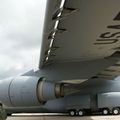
<point>81,112</point>
<point>72,112</point>
<point>116,111</point>
<point>105,111</point>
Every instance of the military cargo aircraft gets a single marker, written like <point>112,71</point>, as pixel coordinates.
<point>79,62</point>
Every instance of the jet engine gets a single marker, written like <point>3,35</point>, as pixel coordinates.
<point>27,91</point>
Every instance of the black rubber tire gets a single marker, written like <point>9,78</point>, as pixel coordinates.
<point>72,112</point>
<point>105,111</point>
<point>81,112</point>
<point>116,111</point>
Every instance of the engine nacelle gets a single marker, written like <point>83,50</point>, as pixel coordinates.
<point>28,91</point>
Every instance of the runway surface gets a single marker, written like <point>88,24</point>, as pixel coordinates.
<point>51,117</point>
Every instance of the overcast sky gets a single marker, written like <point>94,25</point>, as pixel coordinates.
<point>21,25</point>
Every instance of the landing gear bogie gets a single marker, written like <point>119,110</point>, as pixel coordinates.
<point>74,112</point>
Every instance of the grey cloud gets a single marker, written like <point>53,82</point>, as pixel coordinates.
<point>21,25</point>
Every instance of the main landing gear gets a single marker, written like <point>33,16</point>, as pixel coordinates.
<point>105,111</point>
<point>114,111</point>
<point>74,112</point>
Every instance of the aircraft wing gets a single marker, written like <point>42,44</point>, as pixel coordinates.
<point>82,30</point>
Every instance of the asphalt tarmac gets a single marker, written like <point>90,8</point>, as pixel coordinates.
<point>61,117</point>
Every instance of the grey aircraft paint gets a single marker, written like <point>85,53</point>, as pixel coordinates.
<point>87,48</point>
<point>90,87</point>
